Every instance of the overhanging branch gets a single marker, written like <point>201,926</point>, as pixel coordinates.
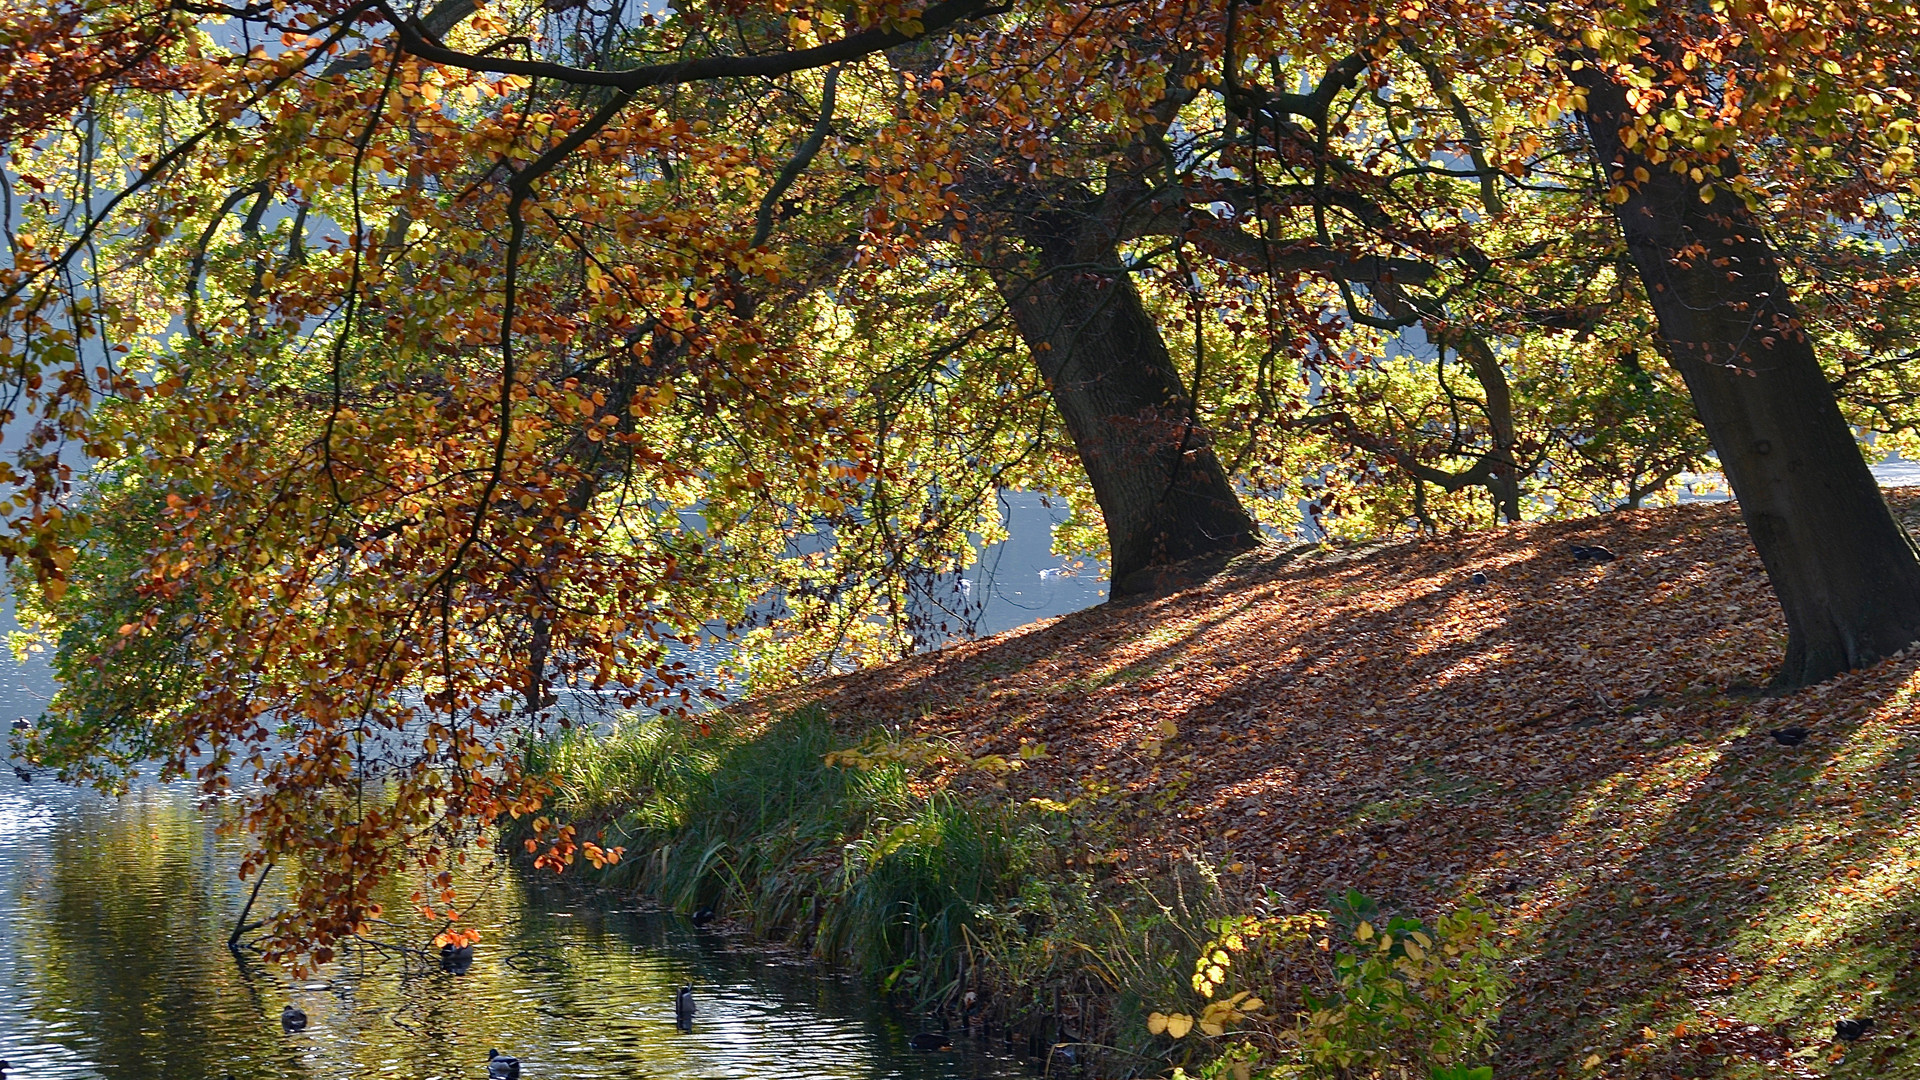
<point>417,39</point>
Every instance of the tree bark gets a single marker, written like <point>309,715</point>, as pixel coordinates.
<point>1162,490</point>
<point>1503,474</point>
<point>1847,576</point>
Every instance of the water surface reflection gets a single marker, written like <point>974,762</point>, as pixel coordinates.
<point>113,916</point>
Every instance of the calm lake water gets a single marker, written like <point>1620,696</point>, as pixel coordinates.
<point>114,915</point>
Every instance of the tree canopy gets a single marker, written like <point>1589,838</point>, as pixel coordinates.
<point>387,373</point>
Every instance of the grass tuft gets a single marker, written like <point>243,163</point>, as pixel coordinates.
<point>928,894</point>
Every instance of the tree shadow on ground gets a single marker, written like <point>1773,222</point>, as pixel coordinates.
<point>1573,743</point>
<point>1737,902</point>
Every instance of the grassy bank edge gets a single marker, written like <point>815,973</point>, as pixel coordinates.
<point>929,895</point>
<point>988,911</point>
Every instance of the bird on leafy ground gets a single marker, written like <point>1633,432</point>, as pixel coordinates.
<point>1478,578</point>
<point>1591,553</point>
<point>502,1066</point>
<point>292,1019</point>
<point>1789,736</point>
<point>684,1008</point>
<point>1852,1029</point>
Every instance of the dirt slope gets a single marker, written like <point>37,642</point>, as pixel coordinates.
<point>1581,744</point>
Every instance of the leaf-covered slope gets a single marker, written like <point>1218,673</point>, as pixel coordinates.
<point>1581,742</point>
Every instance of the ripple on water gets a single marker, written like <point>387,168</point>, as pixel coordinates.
<point>112,964</point>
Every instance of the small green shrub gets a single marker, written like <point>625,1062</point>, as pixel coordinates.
<point>1389,998</point>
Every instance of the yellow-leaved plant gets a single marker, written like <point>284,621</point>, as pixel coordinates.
<point>1388,998</point>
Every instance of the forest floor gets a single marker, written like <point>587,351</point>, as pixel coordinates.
<point>1582,745</point>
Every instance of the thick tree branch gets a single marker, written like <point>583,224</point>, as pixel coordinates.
<point>803,157</point>
<point>437,23</point>
<point>1259,104</point>
<point>1231,244</point>
<point>1469,129</point>
<point>418,39</point>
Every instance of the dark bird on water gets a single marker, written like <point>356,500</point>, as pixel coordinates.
<point>456,959</point>
<point>703,916</point>
<point>23,724</point>
<point>1789,736</point>
<point>683,1008</point>
<point>502,1066</point>
<point>292,1019</point>
<point>1591,553</point>
<point>4,1066</point>
<point>930,1040</point>
<point>25,776</point>
<point>1853,1029</point>
<point>1478,578</point>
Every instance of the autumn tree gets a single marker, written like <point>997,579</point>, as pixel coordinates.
<point>1847,575</point>
<point>1315,232</point>
<point>436,366</point>
<point>453,356</point>
<point>1668,97</point>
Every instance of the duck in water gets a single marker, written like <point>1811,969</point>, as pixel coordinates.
<point>502,1066</point>
<point>456,959</point>
<point>683,1008</point>
<point>292,1019</point>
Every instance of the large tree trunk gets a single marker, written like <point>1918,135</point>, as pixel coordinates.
<point>1846,574</point>
<point>1160,487</point>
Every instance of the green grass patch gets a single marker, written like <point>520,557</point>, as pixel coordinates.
<point>927,893</point>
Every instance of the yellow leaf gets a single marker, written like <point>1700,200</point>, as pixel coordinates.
<point>1168,729</point>
<point>1363,932</point>
<point>1210,1027</point>
<point>1178,1024</point>
<point>1156,1023</point>
<point>1592,1062</point>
